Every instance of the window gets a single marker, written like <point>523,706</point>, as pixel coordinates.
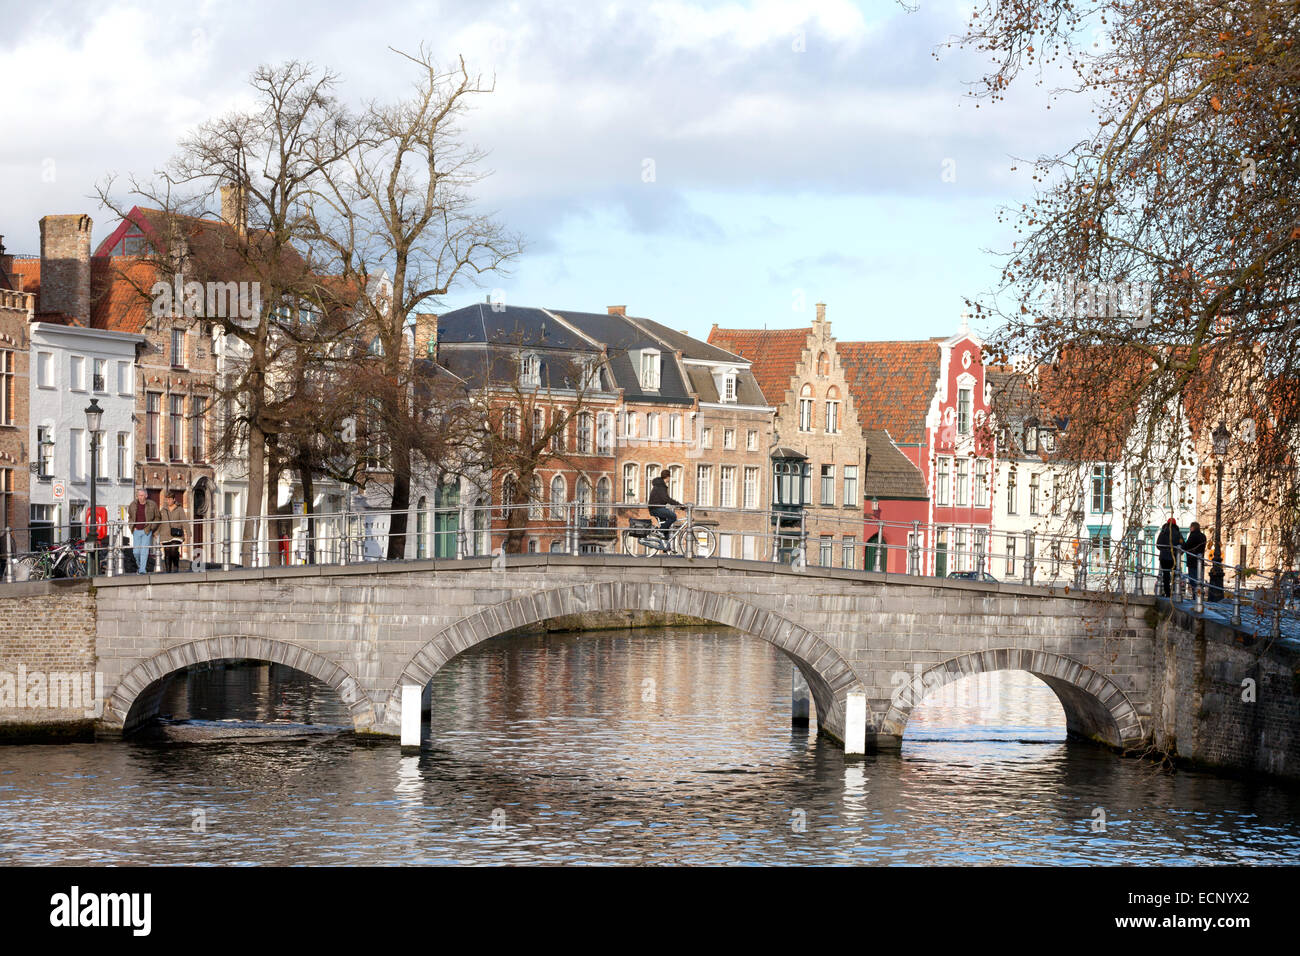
<point>7,396</point>
<point>1031,437</point>
<point>727,486</point>
<point>651,473</point>
<point>1101,489</point>
<point>823,364</point>
<point>124,378</point>
<point>177,416</point>
<point>704,485</point>
<point>45,451</point>
<point>152,435</point>
<point>586,440</point>
<point>42,526</point>
<point>851,485</point>
<point>832,410</point>
<point>178,348</point>
<point>539,426</point>
<point>123,457</point>
<point>826,550</point>
<point>941,481</point>
<point>961,559</point>
<point>6,499</point>
<point>963,411</point>
<point>1033,494</point>
<point>963,469</point>
<point>77,454</point>
<point>559,494</point>
<point>1011,492</point>
<point>729,388</point>
<point>604,434</point>
<point>629,482</point>
<point>981,498</point>
<point>535,498</point>
<point>530,371</point>
<point>77,373</point>
<point>675,427</point>
<point>728,438</point>
<point>1011,556</point>
<point>675,482</point>
<point>559,426</point>
<point>651,426</point>
<point>828,484</point>
<point>603,509</point>
<point>806,409</point>
<point>100,449</point>
<point>706,437</point>
<point>650,370</point>
<point>197,447</point>
<point>44,370</point>
<point>849,552</point>
<point>510,423</point>
<point>99,379</point>
<point>589,376</point>
<point>751,487</point>
<point>751,440</point>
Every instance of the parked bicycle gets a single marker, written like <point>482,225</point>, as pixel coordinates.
<point>689,538</point>
<point>67,560</point>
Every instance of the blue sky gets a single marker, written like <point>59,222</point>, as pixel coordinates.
<point>799,149</point>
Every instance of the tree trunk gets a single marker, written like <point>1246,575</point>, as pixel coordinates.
<point>256,484</point>
<point>308,495</point>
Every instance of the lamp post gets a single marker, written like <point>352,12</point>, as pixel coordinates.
<point>94,418</point>
<point>1220,438</point>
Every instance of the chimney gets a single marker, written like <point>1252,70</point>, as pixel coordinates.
<point>234,207</point>
<point>8,279</point>
<point>65,266</point>
<point>426,334</point>
<point>617,310</point>
<point>821,311</point>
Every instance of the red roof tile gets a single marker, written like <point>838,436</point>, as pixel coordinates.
<point>893,384</point>
<point>774,353</point>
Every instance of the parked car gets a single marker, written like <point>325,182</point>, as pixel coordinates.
<point>982,576</point>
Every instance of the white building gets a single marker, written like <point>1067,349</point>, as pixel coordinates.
<point>70,365</point>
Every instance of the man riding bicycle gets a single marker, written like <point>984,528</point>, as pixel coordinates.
<point>660,499</point>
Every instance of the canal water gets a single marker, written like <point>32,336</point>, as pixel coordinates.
<point>627,747</point>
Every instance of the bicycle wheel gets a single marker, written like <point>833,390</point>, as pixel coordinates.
<point>635,545</point>
<point>696,542</point>
<point>37,570</point>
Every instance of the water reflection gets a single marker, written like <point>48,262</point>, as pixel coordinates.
<point>627,747</point>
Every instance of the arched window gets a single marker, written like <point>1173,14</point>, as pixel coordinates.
<point>480,524</point>
<point>584,498</point>
<point>675,482</point>
<point>535,498</point>
<point>823,364</point>
<point>509,495</point>
<point>806,409</point>
<point>559,495</point>
<point>832,410</point>
<point>602,498</point>
<point>651,473</point>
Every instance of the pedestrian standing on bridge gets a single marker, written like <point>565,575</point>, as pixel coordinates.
<point>1195,548</point>
<point>173,522</point>
<point>1169,539</point>
<point>144,525</point>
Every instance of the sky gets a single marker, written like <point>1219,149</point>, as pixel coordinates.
<point>700,163</point>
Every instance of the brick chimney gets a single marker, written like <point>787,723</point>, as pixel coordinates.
<point>617,310</point>
<point>234,207</point>
<point>7,278</point>
<point>821,311</point>
<point>65,266</point>
<point>426,334</point>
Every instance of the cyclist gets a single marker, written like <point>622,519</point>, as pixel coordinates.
<point>659,501</point>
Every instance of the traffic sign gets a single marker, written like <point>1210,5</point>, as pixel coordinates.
<point>58,491</point>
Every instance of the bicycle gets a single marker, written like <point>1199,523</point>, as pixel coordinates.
<point>67,560</point>
<point>690,539</point>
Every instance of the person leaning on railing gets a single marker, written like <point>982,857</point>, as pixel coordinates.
<point>1195,548</point>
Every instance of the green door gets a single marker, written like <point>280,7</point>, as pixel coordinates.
<point>446,520</point>
<point>941,555</point>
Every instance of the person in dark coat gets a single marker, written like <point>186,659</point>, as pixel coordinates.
<point>659,501</point>
<point>1195,548</point>
<point>1167,542</point>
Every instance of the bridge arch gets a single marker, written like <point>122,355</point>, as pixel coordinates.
<point>1096,708</point>
<point>135,698</point>
<point>828,674</point>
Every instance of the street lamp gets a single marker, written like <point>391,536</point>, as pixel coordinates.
<point>1220,439</point>
<point>94,418</point>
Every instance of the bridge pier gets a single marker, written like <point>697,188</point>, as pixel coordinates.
<point>411,699</point>
<point>800,698</point>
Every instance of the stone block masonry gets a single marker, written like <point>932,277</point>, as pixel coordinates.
<point>48,687</point>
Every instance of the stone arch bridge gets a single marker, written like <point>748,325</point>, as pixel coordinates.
<point>868,646</point>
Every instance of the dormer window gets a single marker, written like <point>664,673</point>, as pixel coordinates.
<point>530,371</point>
<point>650,370</point>
<point>729,387</point>
<point>589,377</point>
<point>1031,437</point>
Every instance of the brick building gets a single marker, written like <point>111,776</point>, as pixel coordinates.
<point>17,309</point>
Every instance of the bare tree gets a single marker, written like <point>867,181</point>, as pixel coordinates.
<point>401,206</point>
